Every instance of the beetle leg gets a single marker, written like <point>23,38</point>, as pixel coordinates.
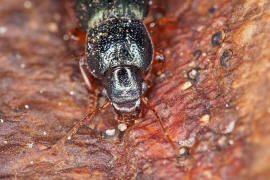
<point>82,65</point>
<point>145,101</point>
<point>91,88</point>
<point>74,130</point>
<point>92,106</point>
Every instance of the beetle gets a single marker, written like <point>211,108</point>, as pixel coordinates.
<point>118,52</point>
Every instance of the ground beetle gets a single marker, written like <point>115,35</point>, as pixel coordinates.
<point>118,51</point>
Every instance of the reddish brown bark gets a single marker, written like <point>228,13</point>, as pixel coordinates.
<point>213,95</point>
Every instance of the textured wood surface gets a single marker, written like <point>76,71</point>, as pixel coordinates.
<point>213,95</point>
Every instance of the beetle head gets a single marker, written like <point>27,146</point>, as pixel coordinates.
<point>124,88</point>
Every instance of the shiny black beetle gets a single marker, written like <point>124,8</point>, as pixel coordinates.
<point>118,50</point>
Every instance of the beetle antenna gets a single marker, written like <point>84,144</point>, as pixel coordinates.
<point>75,129</point>
<point>148,105</point>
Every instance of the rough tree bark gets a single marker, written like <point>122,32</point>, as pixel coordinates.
<point>213,95</point>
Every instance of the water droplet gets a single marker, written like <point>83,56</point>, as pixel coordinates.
<point>110,132</point>
<point>193,74</point>
<point>27,4</point>
<point>186,85</point>
<point>3,30</point>
<point>204,120</point>
<point>122,127</point>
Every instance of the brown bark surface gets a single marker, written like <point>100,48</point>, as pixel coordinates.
<point>213,95</point>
